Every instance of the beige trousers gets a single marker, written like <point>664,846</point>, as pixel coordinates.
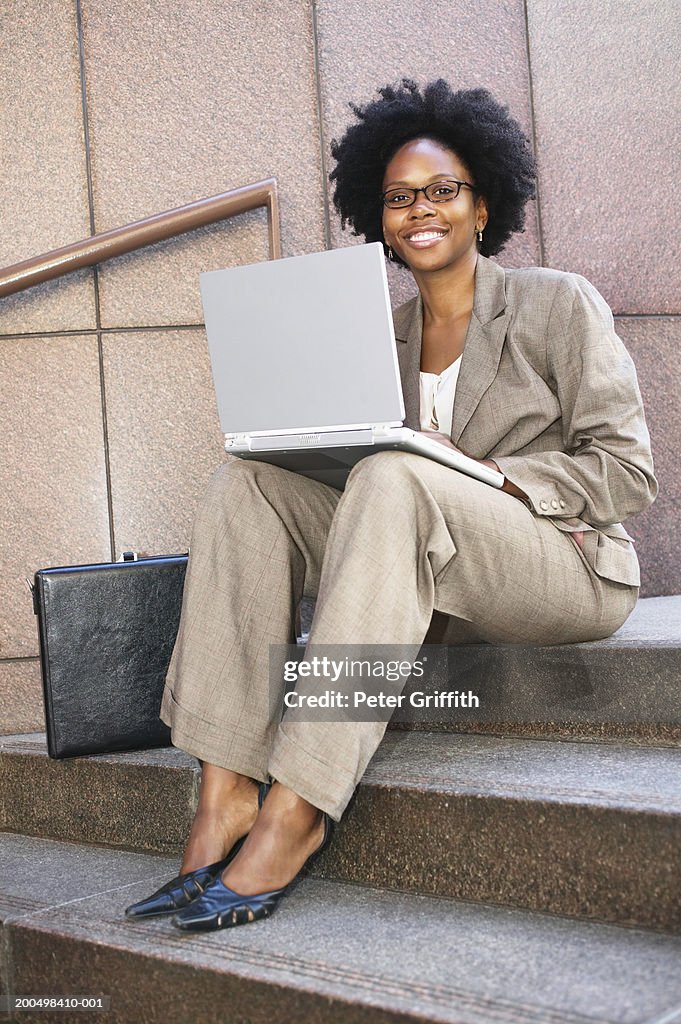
<point>407,537</point>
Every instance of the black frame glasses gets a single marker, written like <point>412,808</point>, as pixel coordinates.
<point>391,198</point>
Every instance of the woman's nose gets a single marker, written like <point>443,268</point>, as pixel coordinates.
<point>422,206</point>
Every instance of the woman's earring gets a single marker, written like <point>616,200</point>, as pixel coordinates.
<point>479,234</point>
<point>391,254</point>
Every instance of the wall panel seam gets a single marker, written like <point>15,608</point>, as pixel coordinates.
<point>98,316</point>
<point>105,432</point>
<point>86,139</point>
<point>160,328</point>
<point>320,126</point>
<point>530,83</point>
<point>90,331</point>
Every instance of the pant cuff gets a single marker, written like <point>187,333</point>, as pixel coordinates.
<point>324,785</point>
<point>192,734</point>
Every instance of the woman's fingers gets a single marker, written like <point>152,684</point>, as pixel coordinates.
<point>435,435</point>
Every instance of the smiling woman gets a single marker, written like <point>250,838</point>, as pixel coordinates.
<point>435,228</point>
<point>469,123</point>
<point>527,372</point>
<point>444,216</point>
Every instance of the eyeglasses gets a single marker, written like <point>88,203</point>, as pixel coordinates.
<point>438,192</point>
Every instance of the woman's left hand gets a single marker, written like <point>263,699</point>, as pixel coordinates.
<point>507,485</point>
<point>577,536</point>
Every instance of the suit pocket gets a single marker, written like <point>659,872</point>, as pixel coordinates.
<point>614,559</point>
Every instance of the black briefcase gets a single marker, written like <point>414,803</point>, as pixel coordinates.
<point>106,636</point>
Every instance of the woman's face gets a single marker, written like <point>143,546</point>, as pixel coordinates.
<point>427,235</point>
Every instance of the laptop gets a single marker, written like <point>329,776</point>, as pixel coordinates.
<point>305,365</point>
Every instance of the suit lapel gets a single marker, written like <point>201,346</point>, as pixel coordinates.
<point>408,334</point>
<point>484,342</point>
<point>481,355</point>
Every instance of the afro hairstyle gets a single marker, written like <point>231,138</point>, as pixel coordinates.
<point>471,122</point>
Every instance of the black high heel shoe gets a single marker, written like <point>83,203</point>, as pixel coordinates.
<point>220,907</point>
<point>180,891</point>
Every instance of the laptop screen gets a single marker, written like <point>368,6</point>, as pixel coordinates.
<point>304,343</point>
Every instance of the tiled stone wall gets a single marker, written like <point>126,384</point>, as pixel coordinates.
<point>108,429</point>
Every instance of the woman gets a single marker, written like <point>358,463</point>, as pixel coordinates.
<point>545,393</point>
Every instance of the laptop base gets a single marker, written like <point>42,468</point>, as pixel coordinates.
<point>331,465</point>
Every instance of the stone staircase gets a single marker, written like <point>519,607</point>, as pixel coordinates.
<point>527,869</point>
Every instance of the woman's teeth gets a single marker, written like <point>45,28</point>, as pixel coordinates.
<point>426,237</point>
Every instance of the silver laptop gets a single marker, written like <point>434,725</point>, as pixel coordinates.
<point>305,366</point>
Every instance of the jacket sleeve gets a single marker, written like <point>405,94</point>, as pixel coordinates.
<point>605,471</point>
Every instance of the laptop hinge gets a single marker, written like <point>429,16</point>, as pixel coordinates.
<point>241,438</point>
<point>382,429</point>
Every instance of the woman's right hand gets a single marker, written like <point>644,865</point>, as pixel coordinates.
<point>435,435</point>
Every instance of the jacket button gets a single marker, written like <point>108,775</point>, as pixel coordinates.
<point>543,505</point>
<point>554,503</point>
<point>562,503</point>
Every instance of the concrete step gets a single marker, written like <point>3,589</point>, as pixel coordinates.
<point>332,953</point>
<point>588,830</point>
<point>626,686</point>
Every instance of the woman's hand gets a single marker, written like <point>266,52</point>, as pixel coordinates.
<point>490,463</point>
<point>434,435</point>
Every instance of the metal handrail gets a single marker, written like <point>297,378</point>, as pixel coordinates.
<point>134,236</point>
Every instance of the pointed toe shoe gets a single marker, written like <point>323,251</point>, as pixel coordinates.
<point>221,907</point>
<point>182,890</point>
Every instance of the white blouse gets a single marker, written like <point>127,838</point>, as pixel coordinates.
<point>437,398</point>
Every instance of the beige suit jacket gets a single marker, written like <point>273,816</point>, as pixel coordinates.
<point>547,390</point>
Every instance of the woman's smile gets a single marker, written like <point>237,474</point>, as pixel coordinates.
<point>425,238</point>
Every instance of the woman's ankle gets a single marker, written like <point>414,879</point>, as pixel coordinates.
<point>220,786</point>
<point>225,813</point>
<point>289,804</point>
